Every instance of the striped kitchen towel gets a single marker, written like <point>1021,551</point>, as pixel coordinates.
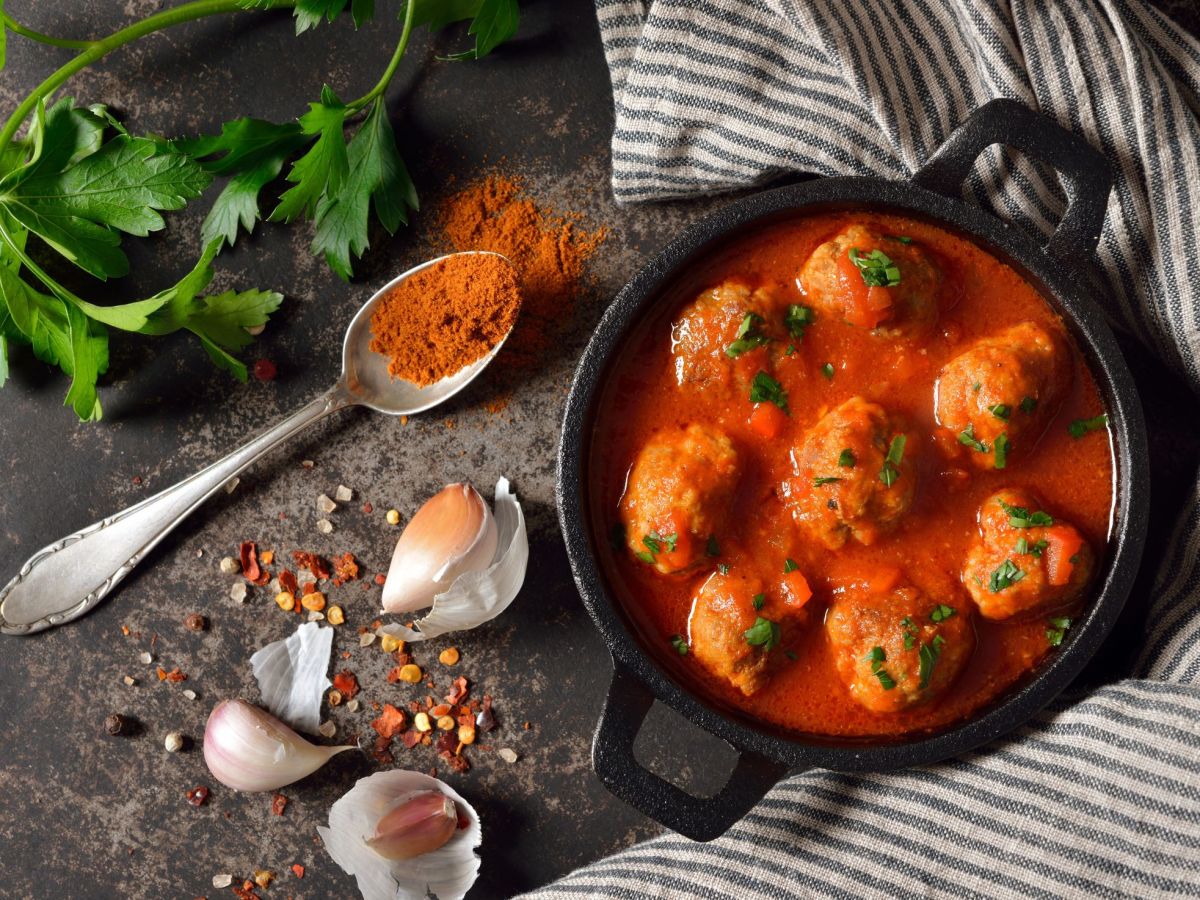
<point>1099,796</point>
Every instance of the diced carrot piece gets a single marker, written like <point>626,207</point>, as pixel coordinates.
<point>882,580</point>
<point>1062,543</point>
<point>768,420</point>
<point>796,590</point>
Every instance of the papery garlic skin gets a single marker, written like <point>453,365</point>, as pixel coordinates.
<point>291,676</point>
<point>421,824</point>
<point>454,532</point>
<point>248,749</point>
<point>448,872</point>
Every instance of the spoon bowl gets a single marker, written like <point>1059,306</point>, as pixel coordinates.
<point>66,579</point>
<point>365,373</point>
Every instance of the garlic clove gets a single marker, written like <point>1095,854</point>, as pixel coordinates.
<point>419,825</point>
<point>447,872</point>
<point>248,749</point>
<point>454,532</point>
<point>477,597</point>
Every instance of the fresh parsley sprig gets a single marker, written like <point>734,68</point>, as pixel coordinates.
<point>78,182</point>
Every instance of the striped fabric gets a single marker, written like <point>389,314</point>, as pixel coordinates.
<point>1099,796</point>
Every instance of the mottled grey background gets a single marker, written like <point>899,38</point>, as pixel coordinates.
<point>86,815</point>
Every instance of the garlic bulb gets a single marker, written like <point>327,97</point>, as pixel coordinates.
<point>248,749</point>
<point>419,825</point>
<point>454,532</point>
<point>377,829</point>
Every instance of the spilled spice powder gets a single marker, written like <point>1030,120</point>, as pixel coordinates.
<point>445,317</point>
<point>548,249</point>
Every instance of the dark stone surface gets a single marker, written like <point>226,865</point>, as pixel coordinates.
<point>83,814</point>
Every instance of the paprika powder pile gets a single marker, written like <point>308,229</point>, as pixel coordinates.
<point>548,249</point>
<point>445,317</point>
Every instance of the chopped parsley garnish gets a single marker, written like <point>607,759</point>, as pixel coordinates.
<point>712,548</point>
<point>827,371</point>
<point>901,238</point>
<point>877,658</point>
<point>723,568</point>
<point>1028,405</point>
<point>976,386</point>
<point>1026,548</point>
<point>789,565</point>
<point>891,463</point>
<point>1006,576</point>
<point>645,556</point>
<point>911,632</point>
<point>1001,448</point>
<point>791,348</point>
<point>765,389</point>
<point>763,633</point>
<point>941,613</point>
<point>797,319</point>
<point>759,600</point>
<point>847,459</point>
<point>824,480</point>
<point>967,438</point>
<point>748,336</point>
<point>929,654</point>
<point>679,644</point>
<point>655,541</point>
<point>876,268</point>
<point>1080,427</point>
<point>1020,517</point>
<point>1057,630</point>
<point>790,654</point>
<point>1001,411</point>
<point>616,536</point>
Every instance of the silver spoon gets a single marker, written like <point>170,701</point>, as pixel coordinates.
<point>63,581</point>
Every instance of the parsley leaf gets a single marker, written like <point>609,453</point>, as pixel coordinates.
<point>1057,630</point>
<point>941,613</point>
<point>1005,576</point>
<point>911,632</point>
<point>891,463</point>
<point>877,657</point>
<point>1001,448</point>
<point>928,655</point>
<point>1080,427</point>
<point>748,336</point>
<point>797,319</point>
<point>847,459</point>
<point>765,389</point>
<point>822,481</point>
<point>876,268</point>
<point>680,644</point>
<point>1001,411</point>
<point>758,601</point>
<point>827,371</point>
<point>790,565</point>
<point>494,22</point>
<point>321,171</point>
<point>966,437</point>
<point>763,633</point>
<point>1028,405</point>
<point>1020,517</point>
<point>712,548</point>
<point>377,179</point>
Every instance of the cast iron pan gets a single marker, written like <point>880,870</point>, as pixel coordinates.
<point>1061,270</point>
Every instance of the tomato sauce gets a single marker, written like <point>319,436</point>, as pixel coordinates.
<point>981,295</point>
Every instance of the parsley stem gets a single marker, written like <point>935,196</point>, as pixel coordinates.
<point>393,64</point>
<point>95,50</point>
<point>17,28</point>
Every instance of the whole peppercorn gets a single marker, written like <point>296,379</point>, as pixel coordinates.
<point>195,622</point>
<point>115,724</point>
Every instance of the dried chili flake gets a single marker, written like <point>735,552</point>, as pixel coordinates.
<point>391,722</point>
<point>447,741</point>
<point>309,587</point>
<point>174,676</point>
<point>394,675</point>
<point>466,717</point>
<point>197,796</point>
<point>383,751</point>
<point>442,709</point>
<point>411,738</point>
<point>278,804</point>
<point>486,719</point>
<point>298,870</point>
<point>125,630</point>
<point>250,568</point>
<point>246,891</point>
<point>346,682</point>
<point>345,568</point>
<point>368,508</point>
<point>458,691</point>
<point>313,563</point>
<point>458,763</point>
<point>380,579</point>
<point>288,582</point>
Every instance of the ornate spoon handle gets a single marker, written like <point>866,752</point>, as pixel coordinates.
<point>63,581</point>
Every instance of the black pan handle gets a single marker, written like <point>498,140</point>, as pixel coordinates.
<point>698,818</point>
<point>1086,174</point>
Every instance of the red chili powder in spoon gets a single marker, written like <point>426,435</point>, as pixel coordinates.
<point>446,317</point>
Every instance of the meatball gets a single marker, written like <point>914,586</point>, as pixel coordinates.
<point>874,281</point>
<point>897,648</point>
<point>1024,562</point>
<point>679,493</point>
<point>853,475</point>
<point>998,396</point>
<point>727,316</point>
<point>737,623</point>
